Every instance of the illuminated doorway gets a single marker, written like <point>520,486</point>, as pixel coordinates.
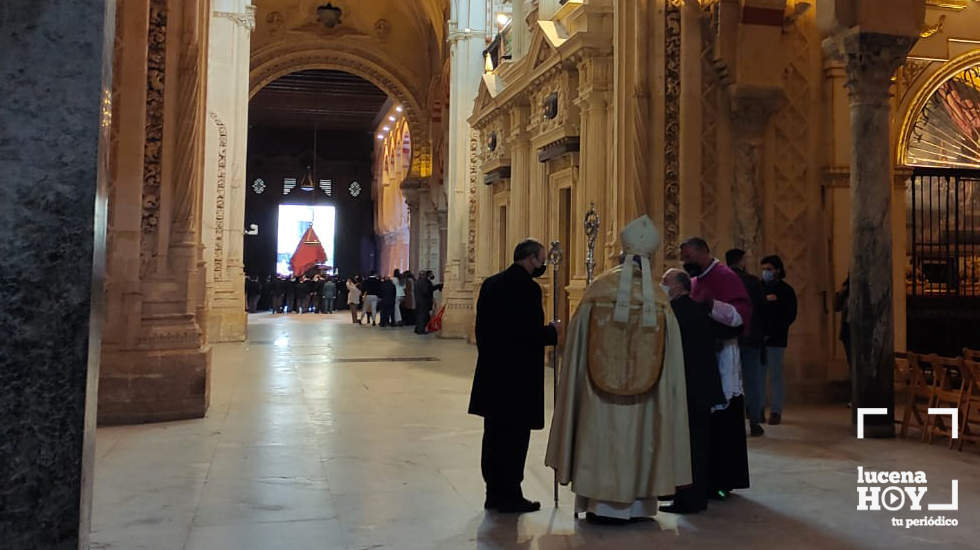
<point>294,220</point>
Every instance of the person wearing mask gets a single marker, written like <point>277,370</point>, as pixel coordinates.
<point>778,313</point>
<point>399,282</point>
<point>371,287</point>
<point>353,299</point>
<point>329,295</point>
<point>425,289</point>
<point>408,305</point>
<point>387,302</point>
<point>750,345</point>
<point>508,385</point>
<point>703,387</point>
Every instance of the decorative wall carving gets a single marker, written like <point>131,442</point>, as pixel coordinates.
<point>219,200</point>
<point>672,116</point>
<point>155,81</point>
<point>474,177</point>
<point>909,73</point>
<point>709,131</point>
<point>791,168</point>
<point>245,20</point>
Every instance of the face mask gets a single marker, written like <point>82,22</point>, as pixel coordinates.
<point>666,289</point>
<point>539,271</point>
<point>692,269</point>
<point>768,276</point>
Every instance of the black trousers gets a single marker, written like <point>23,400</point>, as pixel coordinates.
<point>728,462</point>
<point>694,497</point>
<point>502,460</point>
<point>422,318</point>
<point>387,315</point>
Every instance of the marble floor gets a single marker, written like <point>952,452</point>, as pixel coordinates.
<point>325,435</point>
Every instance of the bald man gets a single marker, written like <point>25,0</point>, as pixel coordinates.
<point>703,386</point>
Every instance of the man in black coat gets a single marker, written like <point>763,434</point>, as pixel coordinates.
<point>703,387</point>
<point>388,293</point>
<point>508,386</point>
<point>424,295</point>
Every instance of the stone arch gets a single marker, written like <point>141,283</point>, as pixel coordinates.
<point>921,95</point>
<point>269,64</point>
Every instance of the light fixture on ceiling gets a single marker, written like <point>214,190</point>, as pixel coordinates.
<point>391,118</point>
<point>399,108</point>
<point>307,183</point>
<point>386,128</point>
<point>381,136</point>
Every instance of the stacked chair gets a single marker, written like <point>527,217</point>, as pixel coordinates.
<point>933,381</point>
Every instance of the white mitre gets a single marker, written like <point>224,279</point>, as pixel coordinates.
<point>639,238</point>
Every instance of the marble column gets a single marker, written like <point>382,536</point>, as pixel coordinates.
<point>752,108</point>
<point>414,226</point>
<point>55,80</point>
<point>466,43</point>
<point>225,188</point>
<point>871,60</point>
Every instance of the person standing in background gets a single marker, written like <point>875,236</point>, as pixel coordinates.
<point>778,313</point>
<point>353,299</point>
<point>329,294</point>
<point>399,281</point>
<point>408,305</point>
<point>750,345</point>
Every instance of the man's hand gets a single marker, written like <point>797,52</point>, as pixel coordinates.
<point>560,329</point>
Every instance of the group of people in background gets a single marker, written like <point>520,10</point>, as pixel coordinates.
<point>397,300</point>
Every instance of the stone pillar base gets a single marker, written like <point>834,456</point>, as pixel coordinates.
<point>154,386</point>
<point>460,315</point>
<point>226,320</point>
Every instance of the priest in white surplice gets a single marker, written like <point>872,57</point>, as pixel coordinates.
<point>619,434</point>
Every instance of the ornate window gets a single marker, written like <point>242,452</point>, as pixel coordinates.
<point>258,186</point>
<point>355,189</point>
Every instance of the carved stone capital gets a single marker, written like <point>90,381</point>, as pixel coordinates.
<point>245,20</point>
<point>871,60</point>
<point>751,109</point>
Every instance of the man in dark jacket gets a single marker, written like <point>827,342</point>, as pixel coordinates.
<point>424,295</point>
<point>750,344</point>
<point>508,386</point>
<point>703,387</point>
<point>388,293</point>
<point>778,312</point>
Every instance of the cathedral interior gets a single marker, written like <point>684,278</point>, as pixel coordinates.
<point>160,145</point>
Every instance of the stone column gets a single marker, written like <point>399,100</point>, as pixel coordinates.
<point>595,74</point>
<point>751,109</point>
<point>231,27</point>
<point>520,157</point>
<point>414,223</point>
<point>54,161</point>
<point>466,44</point>
<point>871,60</point>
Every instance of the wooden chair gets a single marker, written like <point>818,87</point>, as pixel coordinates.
<point>947,392</point>
<point>970,411</point>
<point>918,395</point>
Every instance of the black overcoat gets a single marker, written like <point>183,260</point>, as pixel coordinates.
<point>510,337</point>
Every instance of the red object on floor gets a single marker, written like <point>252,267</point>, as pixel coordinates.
<point>435,324</point>
<point>309,252</point>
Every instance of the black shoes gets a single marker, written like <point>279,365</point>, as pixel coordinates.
<point>775,418</point>
<point>755,430</point>
<point>678,509</point>
<point>519,506</point>
<point>603,520</point>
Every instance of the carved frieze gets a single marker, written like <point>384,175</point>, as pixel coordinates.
<point>672,120</point>
<point>219,200</point>
<point>152,150</point>
<point>709,132</point>
<point>474,175</point>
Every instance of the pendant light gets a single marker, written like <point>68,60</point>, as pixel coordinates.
<point>307,183</point>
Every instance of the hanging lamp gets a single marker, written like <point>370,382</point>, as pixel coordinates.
<point>307,183</point>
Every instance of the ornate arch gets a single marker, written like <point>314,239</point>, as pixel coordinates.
<point>921,96</point>
<point>271,63</point>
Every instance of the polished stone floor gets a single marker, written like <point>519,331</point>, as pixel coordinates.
<point>325,435</point>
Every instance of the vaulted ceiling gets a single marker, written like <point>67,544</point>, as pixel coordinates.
<point>329,100</point>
